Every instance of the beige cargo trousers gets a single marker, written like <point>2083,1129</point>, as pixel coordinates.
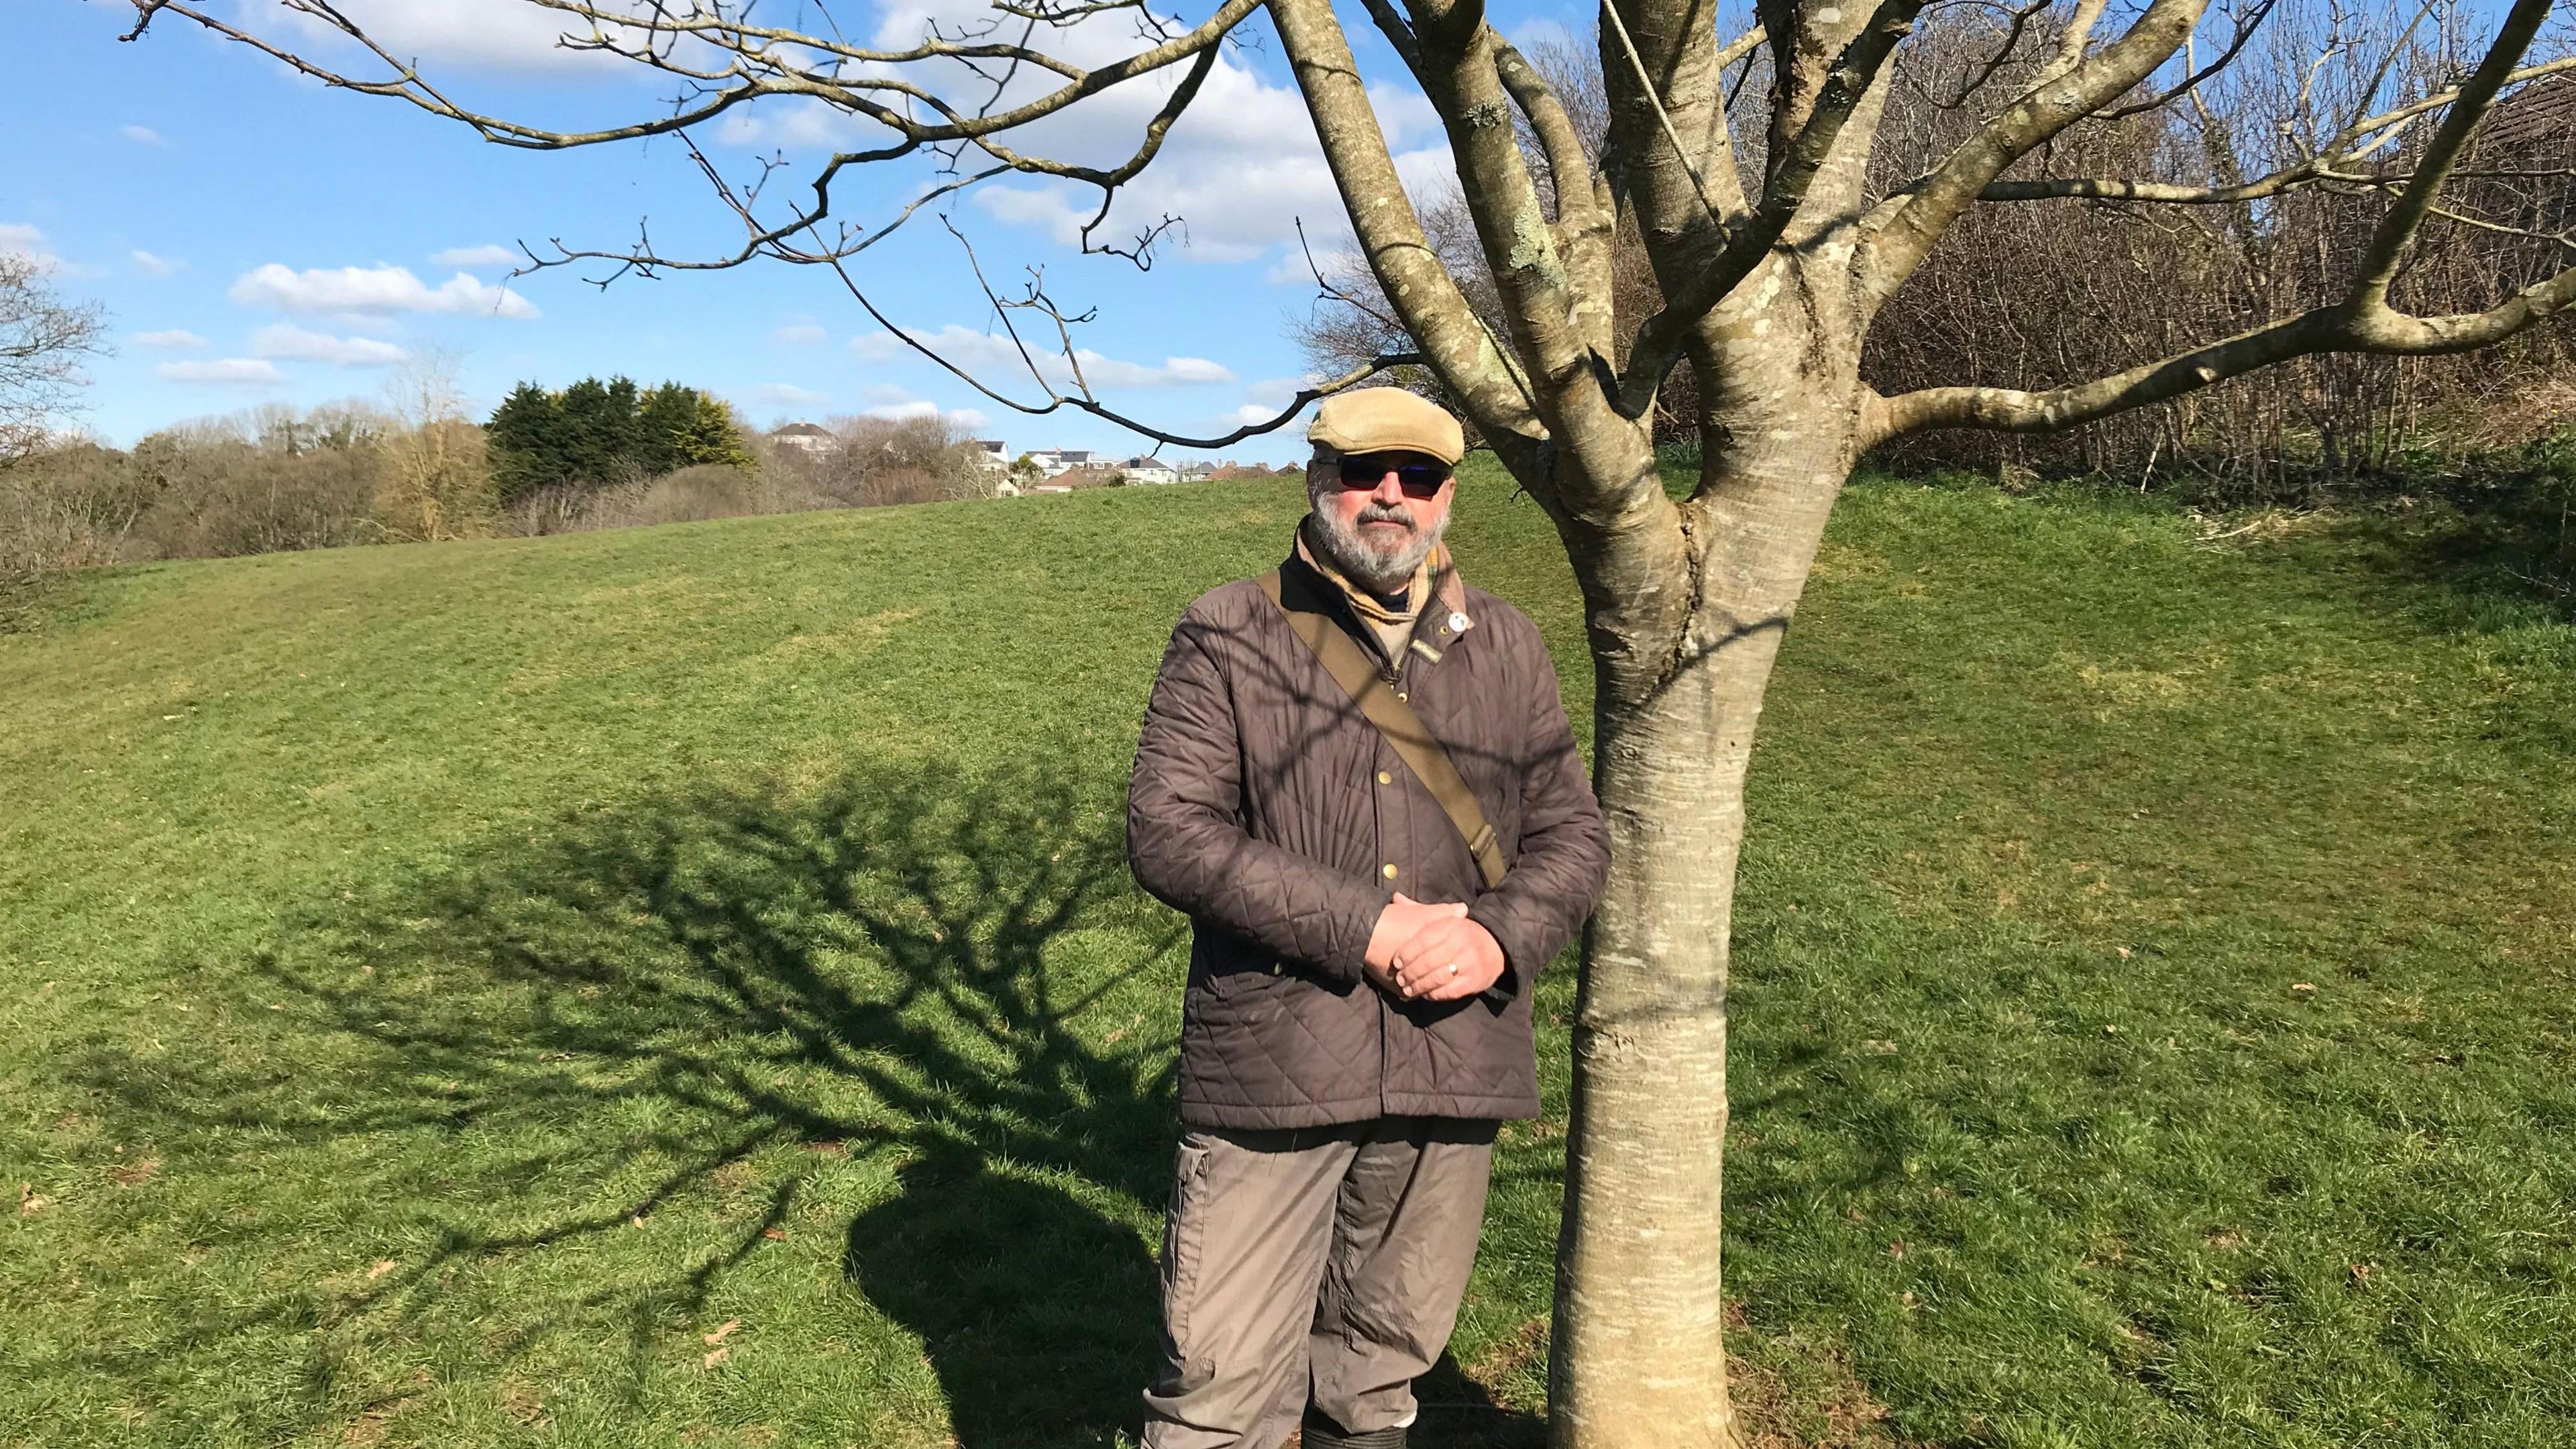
<point>1312,1270</point>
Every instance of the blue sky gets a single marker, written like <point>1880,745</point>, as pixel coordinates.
<point>257,238</point>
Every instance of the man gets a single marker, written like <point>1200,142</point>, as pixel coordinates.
<point>1357,1020</point>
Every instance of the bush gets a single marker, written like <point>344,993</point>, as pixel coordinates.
<point>879,461</point>
<point>63,510</point>
<point>690,495</point>
<point>224,498</point>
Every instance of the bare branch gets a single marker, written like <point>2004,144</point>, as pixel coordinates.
<point>2361,322</point>
<point>2247,24</point>
<point>1659,341</point>
<point>2396,234</point>
<point>757,70</point>
<point>2343,327</point>
<point>1435,313</point>
<point>1055,401</point>
<point>1900,232</point>
<point>2072,44</point>
<point>2344,150</point>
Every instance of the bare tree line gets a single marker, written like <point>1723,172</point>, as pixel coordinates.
<point>411,467</point>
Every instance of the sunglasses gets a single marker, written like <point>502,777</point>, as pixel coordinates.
<point>1418,480</point>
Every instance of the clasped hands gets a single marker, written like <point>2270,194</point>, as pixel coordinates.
<point>1431,952</point>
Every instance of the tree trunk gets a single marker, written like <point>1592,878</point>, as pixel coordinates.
<point>1638,1354</point>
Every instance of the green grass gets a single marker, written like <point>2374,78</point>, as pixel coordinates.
<point>446,986</point>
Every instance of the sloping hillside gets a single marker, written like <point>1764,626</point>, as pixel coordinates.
<point>682,986</point>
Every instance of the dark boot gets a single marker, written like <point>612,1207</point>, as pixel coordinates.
<point>1321,1432</point>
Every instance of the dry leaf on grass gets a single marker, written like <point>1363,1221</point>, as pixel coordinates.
<point>381,1268</point>
<point>724,1330</point>
<point>30,1201</point>
<point>714,1357</point>
<point>525,1406</point>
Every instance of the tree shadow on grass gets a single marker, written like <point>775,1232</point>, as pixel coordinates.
<point>946,978</point>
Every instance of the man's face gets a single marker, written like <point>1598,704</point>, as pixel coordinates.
<point>1382,512</point>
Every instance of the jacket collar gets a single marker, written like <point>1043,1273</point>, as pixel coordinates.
<point>1305,587</point>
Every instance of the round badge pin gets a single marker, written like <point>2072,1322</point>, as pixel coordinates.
<point>1457,622</point>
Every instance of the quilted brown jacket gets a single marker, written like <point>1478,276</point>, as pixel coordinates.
<point>1266,808</point>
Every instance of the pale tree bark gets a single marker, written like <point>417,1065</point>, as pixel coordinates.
<point>1771,275</point>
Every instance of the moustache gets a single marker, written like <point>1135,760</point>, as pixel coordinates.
<point>1382,513</point>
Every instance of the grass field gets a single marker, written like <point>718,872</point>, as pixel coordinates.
<point>681,986</point>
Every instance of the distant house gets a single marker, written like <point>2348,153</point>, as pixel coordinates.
<point>1142,469</point>
<point>1197,472</point>
<point>991,455</point>
<point>1056,461</point>
<point>811,437</point>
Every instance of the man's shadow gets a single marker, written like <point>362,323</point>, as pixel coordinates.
<point>1039,1315</point>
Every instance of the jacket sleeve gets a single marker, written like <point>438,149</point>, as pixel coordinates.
<point>1563,860</point>
<point>1185,836</point>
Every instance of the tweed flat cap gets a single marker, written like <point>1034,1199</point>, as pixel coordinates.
<point>1385,419</point>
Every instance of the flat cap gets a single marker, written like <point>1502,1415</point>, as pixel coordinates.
<point>1384,419</point>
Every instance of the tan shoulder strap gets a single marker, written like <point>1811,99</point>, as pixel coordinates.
<point>1412,742</point>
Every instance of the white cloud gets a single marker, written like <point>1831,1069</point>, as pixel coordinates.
<point>1239,168</point>
<point>140,135</point>
<point>177,338</point>
<point>787,395</point>
<point>798,124</point>
<point>222,372</point>
<point>898,412</point>
<point>964,420</point>
<point>799,334</point>
<point>996,361</point>
<point>1276,390</point>
<point>296,344</point>
<point>374,290</point>
<point>152,266</point>
<point>1294,269</point>
<point>18,239</point>
<point>490,254</point>
<point>488,34</point>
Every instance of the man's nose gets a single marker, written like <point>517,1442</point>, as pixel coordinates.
<point>1388,490</point>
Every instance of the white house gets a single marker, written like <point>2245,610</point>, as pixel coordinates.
<point>1056,461</point>
<point>991,455</point>
<point>810,437</point>
<point>1142,469</point>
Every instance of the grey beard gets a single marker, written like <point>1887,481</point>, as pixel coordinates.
<point>1378,570</point>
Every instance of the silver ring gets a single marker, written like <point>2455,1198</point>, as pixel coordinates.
<point>1453,968</point>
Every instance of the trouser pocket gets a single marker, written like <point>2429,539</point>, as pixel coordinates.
<point>1184,1246</point>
